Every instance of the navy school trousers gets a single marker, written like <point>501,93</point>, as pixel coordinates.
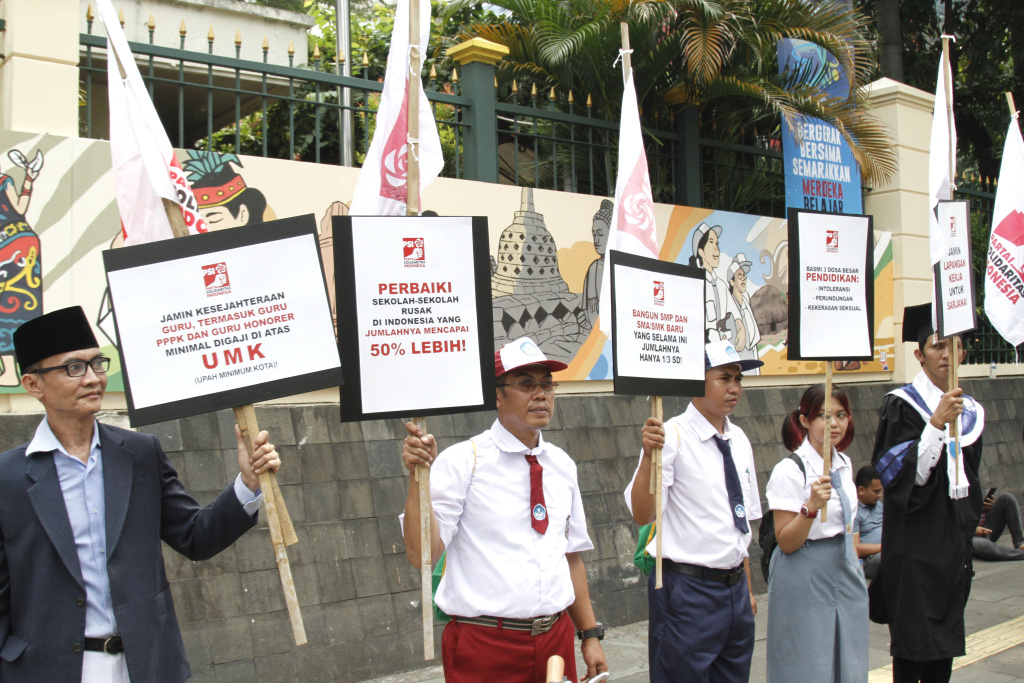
<point>700,631</point>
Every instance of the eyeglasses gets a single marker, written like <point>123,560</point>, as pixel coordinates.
<point>77,368</point>
<point>529,386</point>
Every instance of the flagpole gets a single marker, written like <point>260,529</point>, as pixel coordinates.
<point>656,405</point>
<point>412,204</point>
<point>826,435</point>
<point>951,346</point>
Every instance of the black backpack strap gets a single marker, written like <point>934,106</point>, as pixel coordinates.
<point>800,463</point>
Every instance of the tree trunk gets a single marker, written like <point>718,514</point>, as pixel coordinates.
<point>890,40</point>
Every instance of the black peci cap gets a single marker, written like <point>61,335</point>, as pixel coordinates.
<point>917,323</point>
<point>60,331</point>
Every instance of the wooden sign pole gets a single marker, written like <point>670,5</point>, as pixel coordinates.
<point>282,533</point>
<point>656,410</point>
<point>826,434</point>
<point>951,346</point>
<point>412,203</point>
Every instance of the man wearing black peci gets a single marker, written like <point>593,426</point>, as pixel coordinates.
<point>83,510</point>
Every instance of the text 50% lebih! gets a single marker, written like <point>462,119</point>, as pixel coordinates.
<point>394,348</point>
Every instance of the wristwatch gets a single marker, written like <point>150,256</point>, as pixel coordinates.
<point>807,513</point>
<point>596,632</point>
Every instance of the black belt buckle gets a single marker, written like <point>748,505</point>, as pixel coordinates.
<point>113,645</point>
<point>543,624</point>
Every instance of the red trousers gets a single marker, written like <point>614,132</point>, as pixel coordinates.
<point>483,654</point>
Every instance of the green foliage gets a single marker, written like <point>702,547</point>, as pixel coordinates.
<point>718,55</point>
<point>372,29</point>
<point>988,61</point>
<point>291,5</point>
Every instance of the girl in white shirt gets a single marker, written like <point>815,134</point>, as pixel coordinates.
<point>817,598</point>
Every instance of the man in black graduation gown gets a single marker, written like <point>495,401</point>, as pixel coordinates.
<point>929,517</point>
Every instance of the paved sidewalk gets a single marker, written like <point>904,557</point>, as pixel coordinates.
<point>995,643</point>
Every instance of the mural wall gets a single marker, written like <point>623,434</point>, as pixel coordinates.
<point>547,250</point>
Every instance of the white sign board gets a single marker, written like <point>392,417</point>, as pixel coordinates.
<point>414,299</point>
<point>831,270</point>
<point>658,330</point>
<point>222,319</point>
<point>954,279</point>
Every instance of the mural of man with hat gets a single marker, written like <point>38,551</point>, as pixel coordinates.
<point>747,332</point>
<point>83,509</point>
<point>719,323</point>
<point>932,507</point>
<point>506,508</point>
<point>702,619</point>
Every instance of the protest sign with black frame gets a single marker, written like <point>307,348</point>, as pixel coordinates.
<point>657,343</point>
<point>831,295</point>
<point>415,326</point>
<point>199,299</point>
<point>222,319</point>
<point>955,312</point>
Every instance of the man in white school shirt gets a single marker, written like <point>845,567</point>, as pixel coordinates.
<point>702,619</point>
<point>506,507</point>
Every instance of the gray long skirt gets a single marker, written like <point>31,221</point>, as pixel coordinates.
<point>817,616</point>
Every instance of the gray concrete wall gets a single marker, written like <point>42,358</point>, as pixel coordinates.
<point>345,485</point>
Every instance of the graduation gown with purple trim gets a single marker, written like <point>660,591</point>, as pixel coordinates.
<point>926,566</point>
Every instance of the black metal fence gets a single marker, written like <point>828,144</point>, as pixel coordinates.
<point>984,345</point>
<point>545,140</point>
<point>511,134</point>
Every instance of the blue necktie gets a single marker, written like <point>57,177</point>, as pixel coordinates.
<point>732,485</point>
<point>837,484</point>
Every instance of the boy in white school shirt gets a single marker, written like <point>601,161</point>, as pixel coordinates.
<point>702,619</point>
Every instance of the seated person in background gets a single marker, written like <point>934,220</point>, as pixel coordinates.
<point>867,526</point>
<point>999,514</point>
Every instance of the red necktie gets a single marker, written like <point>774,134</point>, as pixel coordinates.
<point>538,511</point>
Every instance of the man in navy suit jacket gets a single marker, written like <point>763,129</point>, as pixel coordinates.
<point>83,508</point>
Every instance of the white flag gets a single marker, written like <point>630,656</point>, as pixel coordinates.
<point>381,189</point>
<point>1004,276</point>
<point>145,168</point>
<point>632,230</point>
<point>940,183</point>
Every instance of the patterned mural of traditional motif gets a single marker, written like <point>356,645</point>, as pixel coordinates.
<point>547,249</point>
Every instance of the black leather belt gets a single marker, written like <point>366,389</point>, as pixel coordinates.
<point>726,576</point>
<point>535,626</point>
<point>111,645</point>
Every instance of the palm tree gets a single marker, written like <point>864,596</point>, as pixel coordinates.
<point>717,55</point>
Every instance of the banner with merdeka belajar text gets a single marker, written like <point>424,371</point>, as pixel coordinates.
<point>821,173</point>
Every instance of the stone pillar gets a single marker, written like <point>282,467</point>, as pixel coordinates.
<point>39,66</point>
<point>477,58</point>
<point>901,205</point>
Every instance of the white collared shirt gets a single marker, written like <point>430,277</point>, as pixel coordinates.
<point>788,490</point>
<point>496,563</point>
<point>697,519</point>
<point>929,448</point>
